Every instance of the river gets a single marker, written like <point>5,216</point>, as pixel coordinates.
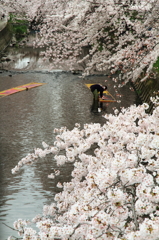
<point>28,118</point>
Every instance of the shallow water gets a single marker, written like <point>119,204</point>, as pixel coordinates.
<point>29,117</point>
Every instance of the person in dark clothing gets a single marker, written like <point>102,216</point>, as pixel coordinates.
<point>96,88</point>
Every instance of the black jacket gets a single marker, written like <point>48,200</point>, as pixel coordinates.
<point>99,89</point>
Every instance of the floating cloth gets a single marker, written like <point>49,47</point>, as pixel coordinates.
<point>19,89</point>
<point>107,97</point>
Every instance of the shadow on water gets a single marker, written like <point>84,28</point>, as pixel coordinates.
<point>98,107</point>
<point>29,117</point>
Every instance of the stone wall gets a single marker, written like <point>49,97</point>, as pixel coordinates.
<point>146,90</point>
<point>5,37</point>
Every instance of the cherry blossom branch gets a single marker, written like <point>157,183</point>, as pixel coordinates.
<point>9,227</point>
<point>133,208</point>
<point>16,238</point>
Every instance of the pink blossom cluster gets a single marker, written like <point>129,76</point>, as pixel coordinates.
<point>114,191</point>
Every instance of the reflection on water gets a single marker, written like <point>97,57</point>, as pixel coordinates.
<point>29,117</point>
<point>25,58</point>
<point>23,63</point>
<point>98,107</point>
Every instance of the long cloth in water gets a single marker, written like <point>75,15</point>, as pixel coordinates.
<point>19,88</point>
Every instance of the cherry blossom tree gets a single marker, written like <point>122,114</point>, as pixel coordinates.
<point>24,8</point>
<point>113,35</point>
<point>114,191</point>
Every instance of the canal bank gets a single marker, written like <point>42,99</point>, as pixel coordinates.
<point>5,37</point>
<point>148,89</point>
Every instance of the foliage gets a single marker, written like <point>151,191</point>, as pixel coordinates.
<point>19,26</point>
<point>156,65</point>
<point>19,30</point>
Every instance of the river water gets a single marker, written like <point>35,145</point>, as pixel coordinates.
<point>29,117</point>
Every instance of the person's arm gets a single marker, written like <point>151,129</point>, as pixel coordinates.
<point>101,93</point>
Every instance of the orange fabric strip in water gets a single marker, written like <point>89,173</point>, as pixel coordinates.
<point>19,88</point>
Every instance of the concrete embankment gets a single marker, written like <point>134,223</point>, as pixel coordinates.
<point>146,90</point>
<point>5,37</point>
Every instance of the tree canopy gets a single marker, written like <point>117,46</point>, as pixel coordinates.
<point>114,191</point>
